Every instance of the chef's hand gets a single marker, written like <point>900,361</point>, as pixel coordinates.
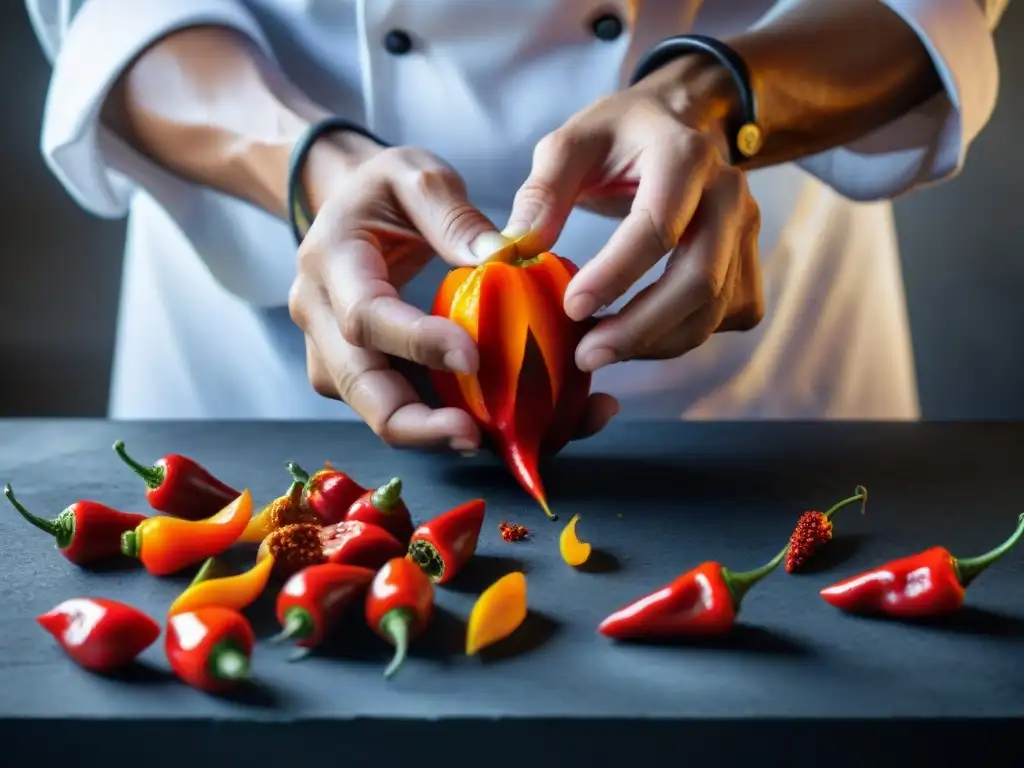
<point>653,154</point>
<point>379,222</point>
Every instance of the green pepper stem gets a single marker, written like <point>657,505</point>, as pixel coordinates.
<point>395,626</point>
<point>299,475</point>
<point>860,494</point>
<point>204,570</point>
<point>153,475</point>
<point>294,494</point>
<point>131,544</point>
<point>298,625</point>
<point>227,662</point>
<point>62,529</point>
<point>740,583</point>
<point>386,497</point>
<point>968,569</point>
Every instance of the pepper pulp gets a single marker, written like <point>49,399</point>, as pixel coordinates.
<point>292,548</point>
<point>328,492</point>
<point>315,598</point>
<point>210,648</point>
<point>100,635</point>
<point>282,511</point>
<point>384,507</point>
<point>399,607</point>
<point>443,546</point>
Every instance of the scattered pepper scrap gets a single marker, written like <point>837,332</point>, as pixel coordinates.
<point>513,531</point>
<point>284,510</point>
<point>292,548</point>
<point>235,592</point>
<point>574,551</point>
<point>210,648</point>
<point>98,634</point>
<point>498,612</point>
<point>814,530</point>
<point>443,546</point>
<point>399,606</point>
<point>313,600</point>
<point>328,492</point>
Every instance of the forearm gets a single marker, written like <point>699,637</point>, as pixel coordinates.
<point>205,105</point>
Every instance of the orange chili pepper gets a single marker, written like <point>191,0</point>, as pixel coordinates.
<point>498,612</point>
<point>234,592</point>
<point>282,511</point>
<point>167,545</point>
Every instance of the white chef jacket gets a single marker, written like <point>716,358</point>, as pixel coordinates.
<point>203,327</point>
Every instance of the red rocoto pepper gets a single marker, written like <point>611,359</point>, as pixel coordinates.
<point>444,545</point>
<point>178,486</point>
<point>363,544</point>
<point>399,607</point>
<point>384,507</point>
<point>313,600</point>
<point>85,532</point>
<point>100,635</point>
<point>930,583</point>
<point>209,648</point>
<point>703,602</point>
<point>328,492</point>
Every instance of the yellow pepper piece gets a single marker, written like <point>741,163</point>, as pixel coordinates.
<point>498,612</point>
<point>281,511</point>
<point>574,551</point>
<point>235,592</point>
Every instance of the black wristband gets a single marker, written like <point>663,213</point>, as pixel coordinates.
<point>746,137</point>
<point>299,216</point>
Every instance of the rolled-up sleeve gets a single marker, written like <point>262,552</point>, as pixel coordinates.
<point>929,143</point>
<point>90,43</point>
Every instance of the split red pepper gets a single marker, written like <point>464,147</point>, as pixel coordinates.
<point>362,544</point>
<point>209,648</point>
<point>313,600</point>
<point>703,602</point>
<point>814,530</point>
<point>384,507</point>
<point>443,546</point>
<point>328,492</point>
<point>930,583</point>
<point>85,532</point>
<point>399,606</point>
<point>178,486</point>
<point>100,635</point>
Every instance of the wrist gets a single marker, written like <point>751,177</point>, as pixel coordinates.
<point>330,163</point>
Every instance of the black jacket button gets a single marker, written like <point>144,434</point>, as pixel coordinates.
<point>397,42</point>
<point>607,27</point>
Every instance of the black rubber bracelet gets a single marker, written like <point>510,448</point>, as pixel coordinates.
<point>299,216</point>
<point>747,137</point>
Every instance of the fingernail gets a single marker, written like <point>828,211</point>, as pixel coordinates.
<point>515,230</point>
<point>582,306</point>
<point>466,447</point>
<point>487,245</point>
<point>598,358</point>
<point>457,361</point>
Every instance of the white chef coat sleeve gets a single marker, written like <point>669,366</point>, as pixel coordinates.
<point>929,143</point>
<point>89,43</point>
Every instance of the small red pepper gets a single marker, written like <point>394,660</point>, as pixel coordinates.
<point>703,602</point>
<point>814,530</point>
<point>85,532</point>
<point>443,546</point>
<point>399,607</point>
<point>209,648</point>
<point>930,583</point>
<point>178,486</point>
<point>100,635</point>
<point>328,492</point>
<point>362,544</point>
<point>384,507</point>
<point>314,599</point>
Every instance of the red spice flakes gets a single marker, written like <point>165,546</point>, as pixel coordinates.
<point>813,530</point>
<point>513,531</point>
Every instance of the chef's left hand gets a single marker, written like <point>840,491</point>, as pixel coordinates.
<point>653,154</point>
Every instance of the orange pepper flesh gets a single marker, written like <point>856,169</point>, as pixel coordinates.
<point>234,592</point>
<point>574,552</point>
<point>497,613</point>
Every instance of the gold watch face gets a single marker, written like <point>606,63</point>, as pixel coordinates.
<point>749,140</point>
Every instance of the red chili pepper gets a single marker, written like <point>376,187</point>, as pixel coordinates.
<point>315,598</point>
<point>703,602</point>
<point>814,530</point>
<point>178,486</point>
<point>362,544</point>
<point>209,648</point>
<point>100,635</point>
<point>399,607</point>
<point>384,507</point>
<point>444,545</point>
<point>930,583</point>
<point>85,532</point>
<point>328,492</point>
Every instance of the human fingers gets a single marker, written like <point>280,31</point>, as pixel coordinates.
<point>746,310</point>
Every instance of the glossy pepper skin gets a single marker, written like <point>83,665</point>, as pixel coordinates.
<point>235,592</point>
<point>362,544</point>
<point>210,648</point>
<point>166,545</point>
<point>528,396</point>
<point>399,606</point>
<point>384,507</point>
<point>703,602</point>
<point>930,583</point>
<point>85,532</point>
<point>100,635</point>
<point>328,492</point>
<point>313,600</point>
<point>284,510</point>
<point>443,546</point>
<point>178,486</point>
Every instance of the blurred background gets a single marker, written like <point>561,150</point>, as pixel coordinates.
<point>963,261</point>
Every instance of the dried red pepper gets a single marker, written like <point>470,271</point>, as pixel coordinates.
<point>384,507</point>
<point>209,648</point>
<point>512,531</point>
<point>814,530</point>
<point>354,543</point>
<point>178,486</point>
<point>327,492</point>
<point>85,532</point>
<point>293,548</point>
<point>284,510</point>
<point>313,600</point>
<point>443,546</point>
<point>930,583</point>
<point>702,602</point>
<point>399,607</point>
<point>100,635</point>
